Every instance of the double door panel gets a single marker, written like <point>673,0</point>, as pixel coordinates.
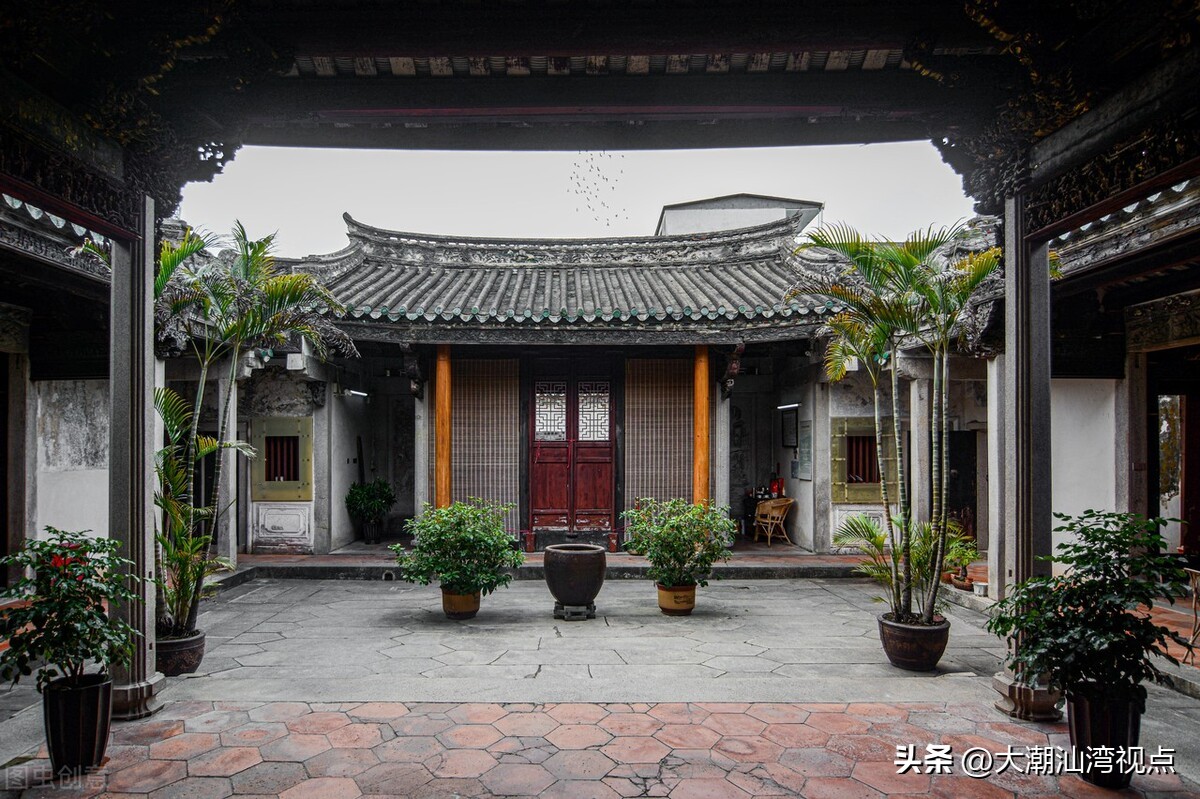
<point>571,454</point>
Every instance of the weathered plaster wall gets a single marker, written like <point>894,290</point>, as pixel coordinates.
<point>274,392</point>
<point>1083,435</point>
<point>71,471</point>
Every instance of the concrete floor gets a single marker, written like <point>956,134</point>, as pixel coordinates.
<point>326,688</point>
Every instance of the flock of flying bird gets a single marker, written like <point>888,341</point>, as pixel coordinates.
<point>594,182</point>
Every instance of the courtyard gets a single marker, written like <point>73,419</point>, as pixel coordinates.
<point>771,688</point>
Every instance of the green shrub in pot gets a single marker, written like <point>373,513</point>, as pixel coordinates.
<point>1088,631</point>
<point>682,541</point>
<point>370,503</point>
<point>60,626</point>
<point>466,548</point>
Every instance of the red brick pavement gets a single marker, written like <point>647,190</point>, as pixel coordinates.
<point>576,751</point>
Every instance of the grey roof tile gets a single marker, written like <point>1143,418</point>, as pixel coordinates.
<point>722,279</point>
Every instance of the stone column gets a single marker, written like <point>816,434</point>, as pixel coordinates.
<point>442,428</point>
<point>1026,432</point>
<point>14,340</point>
<point>720,449</point>
<point>920,446</point>
<point>227,527</point>
<point>700,425</point>
<point>1132,492</point>
<point>421,493</point>
<point>131,457</point>
<point>997,537</point>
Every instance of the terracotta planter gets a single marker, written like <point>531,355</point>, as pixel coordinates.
<point>962,585</point>
<point>460,606</point>
<point>77,718</point>
<point>677,600</point>
<point>175,656</point>
<point>1098,718</point>
<point>914,647</point>
<point>574,575</point>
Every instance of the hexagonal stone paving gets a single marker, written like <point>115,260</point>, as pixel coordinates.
<point>569,751</point>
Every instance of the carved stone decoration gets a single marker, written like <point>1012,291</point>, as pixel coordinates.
<point>733,367</point>
<point>48,248</point>
<point>416,375</point>
<point>1166,322</point>
<point>14,328</point>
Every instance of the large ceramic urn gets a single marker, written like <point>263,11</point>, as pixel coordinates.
<point>574,574</point>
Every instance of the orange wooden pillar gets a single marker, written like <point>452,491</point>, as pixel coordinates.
<point>441,426</point>
<point>701,384</point>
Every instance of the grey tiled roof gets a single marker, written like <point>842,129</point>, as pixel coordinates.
<point>726,279</point>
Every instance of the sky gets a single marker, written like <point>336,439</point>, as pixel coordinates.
<point>885,190</point>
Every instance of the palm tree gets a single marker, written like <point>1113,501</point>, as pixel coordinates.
<point>225,307</point>
<point>945,288</point>
<point>893,293</point>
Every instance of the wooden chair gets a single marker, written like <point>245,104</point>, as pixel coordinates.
<point>769,517</point>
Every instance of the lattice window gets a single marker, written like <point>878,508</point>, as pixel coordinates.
<point>486,432</point>
<point>658,429</point>
<point>854,463</point>
<point>283,471</point>
<point>550,410</point>
<point>593,410</point>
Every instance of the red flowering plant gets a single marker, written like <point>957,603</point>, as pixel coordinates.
<point>61,623</point>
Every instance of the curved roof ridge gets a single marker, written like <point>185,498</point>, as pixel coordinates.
<point>775,228</point>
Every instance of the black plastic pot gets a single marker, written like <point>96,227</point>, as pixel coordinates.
<point>371,532</point>
<point>1098,717</point>
<point>77,717</point>
<point>574,575</point>
<point>175,656</point>
<point>913,647</point>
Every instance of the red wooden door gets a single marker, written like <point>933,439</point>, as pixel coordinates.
<point>571,454</point>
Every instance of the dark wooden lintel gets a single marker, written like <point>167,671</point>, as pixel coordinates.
<point>550,334</point>
<point>1164,89</point>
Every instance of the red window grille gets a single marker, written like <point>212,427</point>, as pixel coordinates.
<point>862,461</point>
<point>281,461</point>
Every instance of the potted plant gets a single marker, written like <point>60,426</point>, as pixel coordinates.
<point>59,626</point>
<point>218,309</point>
<point>891,295</point>
<point>185,561</point>
<point>961,552</point>
<point>369,504</point>
<point>1089,633</point>
<point>913,647</point>
<point>465,548</point>
<point>682,541</point>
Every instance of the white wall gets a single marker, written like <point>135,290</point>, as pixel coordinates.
<point>71,462</point>
<point>1083,445</point>
<point>800,520</point>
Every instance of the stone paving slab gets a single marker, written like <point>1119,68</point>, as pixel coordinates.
<point>328,689</point>
<point>577,750</point>
<point>774,640</point>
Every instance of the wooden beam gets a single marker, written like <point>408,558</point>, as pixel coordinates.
<point>350,100</point>
<point>541,134</point>
<point>701,385</point>
<point>549,29</point>
<point>442,434</point>
<point>1167,88</point>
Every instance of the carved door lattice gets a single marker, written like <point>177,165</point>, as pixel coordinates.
<point>571,455</point>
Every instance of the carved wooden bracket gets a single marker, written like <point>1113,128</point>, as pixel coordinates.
<point>733,367</point>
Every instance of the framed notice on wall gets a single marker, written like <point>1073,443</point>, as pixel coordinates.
<point>802,466</point>
<point>790,439</point>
